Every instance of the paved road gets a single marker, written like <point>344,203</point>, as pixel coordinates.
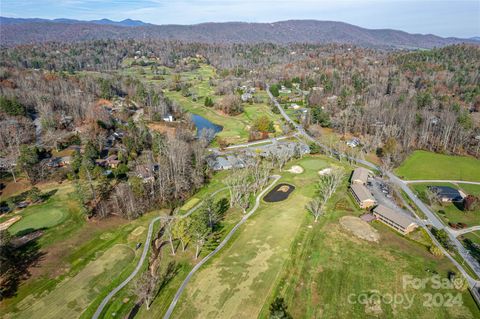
<point>432,218</point>
<point>144,254</point>
<point>439,181</point>
<point>458,232</point>
<point>269,140</point>
<point>219,247</point>
<point>134,272</point>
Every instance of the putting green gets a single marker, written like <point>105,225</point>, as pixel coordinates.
<point>38,219</point>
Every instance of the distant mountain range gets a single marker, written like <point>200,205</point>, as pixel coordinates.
<point>15,31</point>
<point>123,23</point>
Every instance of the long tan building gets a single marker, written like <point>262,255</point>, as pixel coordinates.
<point>398,221</point>
<point>360,176</point>
<point>362,196</point>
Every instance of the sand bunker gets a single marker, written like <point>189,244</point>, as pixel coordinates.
<point>138,231</point>
<point>9,222</point>
<point>325,171</point>
<point>295,169</point>
<point>359,228</point>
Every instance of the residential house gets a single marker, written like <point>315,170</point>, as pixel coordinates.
<point>284,90</point>
<point>397,220</point>
<point>362,196</point>
<point>112,161</point>
<point>246,97</point>
<point>446,194</point>
<point>354,142</point>
<point>168,118</point>
<point>231,161</point>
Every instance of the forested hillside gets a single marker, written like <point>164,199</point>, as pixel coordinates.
<point>283,32</point>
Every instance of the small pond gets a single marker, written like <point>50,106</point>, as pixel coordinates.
<point>279,193</point>
<point>202,123</point>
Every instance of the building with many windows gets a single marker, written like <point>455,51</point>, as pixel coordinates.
<point>362,196</point>
<point>397,220</point>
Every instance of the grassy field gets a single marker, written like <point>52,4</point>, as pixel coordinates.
<point>470,189</point>
<point>125,301</point>
<point>329,269</point>
<point>280,251</point>
<point>235,128</point>
<point>474,236</point>
<point>450,212</point>
<point>80,262</point>
<point>235,283</point>
<point>427,165</point>
<point>73,295</point>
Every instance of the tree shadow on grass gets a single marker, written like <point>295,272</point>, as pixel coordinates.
<point>473,248</point>
<point>45,196</point>
<point>134,310</point>
<point>15,265</point>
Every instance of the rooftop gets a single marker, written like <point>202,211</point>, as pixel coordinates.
<point>446,192</point>
<point>397,217</point>
<point>360,174</point>
<point>362,192</point>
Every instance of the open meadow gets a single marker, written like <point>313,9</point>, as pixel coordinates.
<point>428,165</point>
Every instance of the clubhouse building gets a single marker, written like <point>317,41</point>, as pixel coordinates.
<point>360,176</point>
<point>398,221</point>
<point>362,196</point>
<point>360,192</point>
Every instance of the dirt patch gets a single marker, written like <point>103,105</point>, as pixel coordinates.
<point>325,171</point>
<point>359,228</point>
<point>296,169</point>
<point>279,193</point>
<point>9,222</point>
<point>163,128</point>
<point>12,188</point>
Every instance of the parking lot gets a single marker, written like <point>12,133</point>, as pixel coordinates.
<point>384,194</point>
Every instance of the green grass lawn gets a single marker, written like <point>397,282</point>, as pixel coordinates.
<point>428,165</point>
<point>474,236</point>
<point>280,251</point>
<point>450,212</point>
<point>125,300</point>
<point>470,189</point>
<point>328,266</point>
<point>82,261</point>
<point>236,282</point>
<point>73,295</point>
<point>40,216</point>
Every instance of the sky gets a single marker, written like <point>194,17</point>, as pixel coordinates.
<point>459,18</point>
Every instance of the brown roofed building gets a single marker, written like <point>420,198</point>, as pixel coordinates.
<point>397,220</point>
<point>362,196</point>
<point>360,176</point>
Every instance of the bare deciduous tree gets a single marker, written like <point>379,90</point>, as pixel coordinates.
<point>326,186</point>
